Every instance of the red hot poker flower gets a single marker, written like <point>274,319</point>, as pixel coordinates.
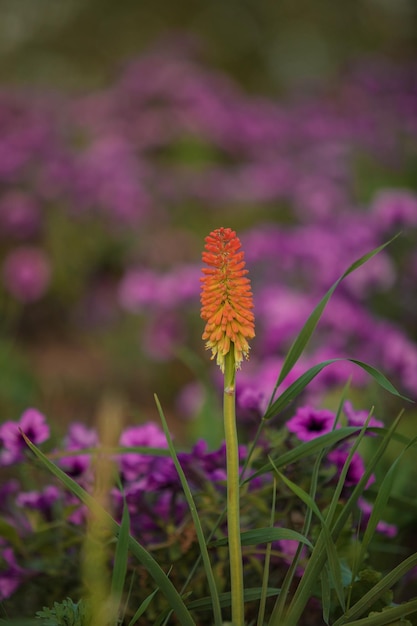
<point>226,297</point>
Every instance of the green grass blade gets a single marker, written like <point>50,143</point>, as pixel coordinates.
<point>144,605</point>
<point>259,536</point>
<point>294,390</point>
<point>279,608</point>
<point>325,581</point>
<point>120,558</point>
<point>305,449</point>
<point>390,616</point>
<point>267,561</point>
<point>363,605</point>
<point>330,547</point>
<point>306,332</point>
<point>143,556</point>
<point>319,555</point>
<point>250,594</point>
<point>381,500</point>
<point>197,524</point>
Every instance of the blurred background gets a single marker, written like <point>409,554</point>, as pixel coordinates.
<point>129,130</point>
<point>266,46</point>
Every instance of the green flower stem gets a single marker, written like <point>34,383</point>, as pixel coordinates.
<point>233,506</point>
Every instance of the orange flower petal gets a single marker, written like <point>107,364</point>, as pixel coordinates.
<point>226,297</point>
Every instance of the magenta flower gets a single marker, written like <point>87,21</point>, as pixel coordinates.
<point>383,527</point>
<point>133,464</point>
<point>78,438</point>
<point>11,574</point>
<point>26,273</point>
<point>19,215</point>
<point>358,418</point>
<point>33,424</point>
<point>309,423</point>
<point>356,467</point>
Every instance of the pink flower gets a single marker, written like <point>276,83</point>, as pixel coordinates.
<point>309,423</point>
<point>33,424</point>
<point>26,273</point>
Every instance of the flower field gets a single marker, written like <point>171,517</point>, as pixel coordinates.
<point>106,199</point>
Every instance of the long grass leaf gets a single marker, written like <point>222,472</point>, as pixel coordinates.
<point>197,524</point>
<point>250,594</point>
<point>306,332</point>
<point>121,558</point>
<point>389,616</point>
<point>319,555</point>
<point>377,590</point>
<point>294,390</point>
<point>258,536</point>
<point>267,561</point>
<point>306,449</point>
<point>330,548</point>
<point>143,556</point>
<point>144,605</point>
<point>381,500</point>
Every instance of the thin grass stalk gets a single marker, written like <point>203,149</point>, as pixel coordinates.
<point>265,578</point>
<point>197,524</point>
<point>319,556</point>
<point>150,564</point>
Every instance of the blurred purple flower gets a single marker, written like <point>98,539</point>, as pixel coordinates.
<point>41,501</point>
<point>190,400</point>
<point>356,467</point>
<point>162,336</point>
<point>79,437</point>
<point>11,574</point>
<point>358,418</point>
<point>26,273</point>
<point>136,465</point>
<point>34,426</point>
<point>390,530</point>
<point>309,423</point>
<point>19,215</point>
<point>393,209</point>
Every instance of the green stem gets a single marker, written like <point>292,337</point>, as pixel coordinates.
<point>233,506</point>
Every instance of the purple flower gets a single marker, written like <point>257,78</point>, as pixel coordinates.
<point>356,467</point>
<point>11,574</point>
<point>34,426</point>
<point>26,273</point>
<point>358,418</point>
<point>79,437</point>
<point>390,530</point>
<point>42,501</point>
<point>135,465</point>
<point>394,208</point>
<point>19,215</point>
<point>190,400</point>
<point>309,423</point>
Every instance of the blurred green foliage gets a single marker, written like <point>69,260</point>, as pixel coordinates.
<point>266,44</point>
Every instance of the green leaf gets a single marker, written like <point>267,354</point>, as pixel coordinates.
<point>120,558</point>
<point>306,449</point>
<point>265,535</point>
<point>387,616</point>
<point>197,524</point>
<point>381,500</point>
<point>332,559</point>
<point>294,390</point>
<point>306,332</point>
<point>143,556</point>
<point>386,583</point>
<point>144,605</point>
<point>250,594</point>
<point>319,556</point>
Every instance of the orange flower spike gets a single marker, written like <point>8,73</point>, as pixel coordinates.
<point>226,298</point>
